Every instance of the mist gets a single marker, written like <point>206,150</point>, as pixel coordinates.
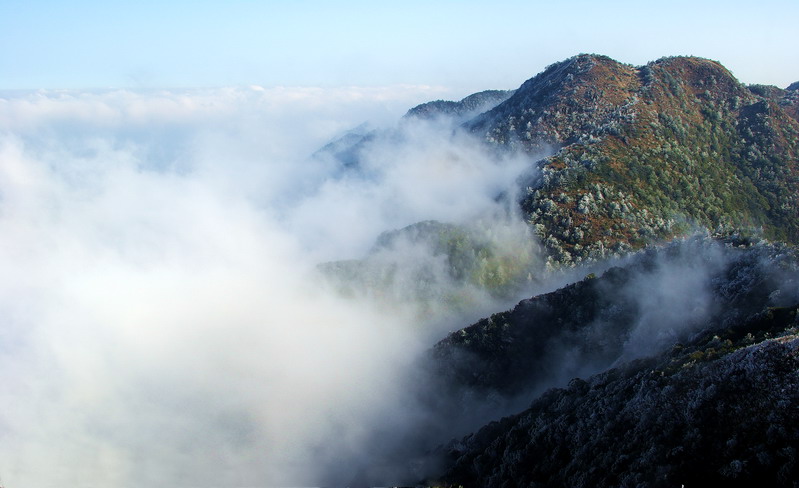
<point>668,294</point>
<point>162,319</point>
<point>629,308</point>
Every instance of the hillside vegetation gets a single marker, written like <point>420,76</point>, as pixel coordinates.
<point>693,390</point>
<point>433,264</point>
<point>644,154</point>
<point>625,156</point>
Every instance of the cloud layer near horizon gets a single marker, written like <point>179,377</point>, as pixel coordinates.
<point>159,319</point>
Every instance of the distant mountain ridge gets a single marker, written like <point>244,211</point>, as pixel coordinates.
<point>349,148</point>
<point>466,108</point>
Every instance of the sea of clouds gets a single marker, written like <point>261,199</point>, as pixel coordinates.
<point>162,321</point>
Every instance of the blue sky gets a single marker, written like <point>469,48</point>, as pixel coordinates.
<point>466,45</point>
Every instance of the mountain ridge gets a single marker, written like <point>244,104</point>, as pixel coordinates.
<point>630,162</point>
<point>647,153</point>
<point>746,341</point>
<point>681,418</point>
<point>627,156</point>
<point>465,108</point>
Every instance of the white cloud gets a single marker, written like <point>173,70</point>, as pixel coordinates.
<point>157,320</point>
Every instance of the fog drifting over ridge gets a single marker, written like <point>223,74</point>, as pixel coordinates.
<point>159,319</point>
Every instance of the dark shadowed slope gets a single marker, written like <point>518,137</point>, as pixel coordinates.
<point>721,409</point>
<point>670,415</point>
<point>657,299</point>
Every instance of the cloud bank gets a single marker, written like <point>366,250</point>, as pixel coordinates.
<point>161,320</point>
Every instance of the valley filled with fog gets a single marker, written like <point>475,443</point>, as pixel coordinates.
<point>164,319</point>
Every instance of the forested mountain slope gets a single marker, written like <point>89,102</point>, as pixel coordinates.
<point>646,153</point>
<point>721,409</point>
<point>700,381</point>
<point>624,156</point>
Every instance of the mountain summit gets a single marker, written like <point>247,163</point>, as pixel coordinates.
<point>645,153</point>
